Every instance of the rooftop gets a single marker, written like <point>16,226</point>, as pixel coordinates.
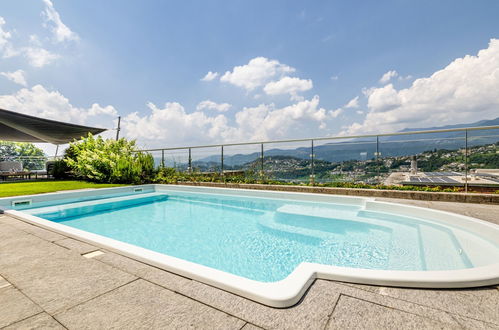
<point>50,280</point>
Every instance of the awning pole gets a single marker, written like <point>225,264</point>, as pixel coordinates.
<point>118,129</point>
<point>56,150</point>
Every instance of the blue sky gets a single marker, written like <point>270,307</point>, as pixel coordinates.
<point>305,68</point>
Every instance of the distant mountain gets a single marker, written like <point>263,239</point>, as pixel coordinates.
<point>365,148</point>
<point>486,122</point>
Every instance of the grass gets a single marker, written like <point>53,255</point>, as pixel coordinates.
<point>40,187</point>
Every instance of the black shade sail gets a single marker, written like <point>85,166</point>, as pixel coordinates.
<point>23,128</point>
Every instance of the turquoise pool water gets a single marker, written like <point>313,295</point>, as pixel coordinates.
<point>264,239</point>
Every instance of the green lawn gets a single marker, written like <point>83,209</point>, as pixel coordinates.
<point>40,187</point>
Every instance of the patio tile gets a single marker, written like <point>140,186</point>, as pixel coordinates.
<point>249,326</point>
<point>479,303</point>
<point>40,321</point>
<point>143,305</point>
<point>33,230</point>
<point>430,312</point>
<point>14,306</point>
<point>365,287</point>
<point>53,277</point>
<point>311,313</point>
<point>353,313</point>
<point>161,277</point>
<point>473,324</point>
<point>75,245</point>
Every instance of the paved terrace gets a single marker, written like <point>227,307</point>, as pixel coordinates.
<point>52,281</point>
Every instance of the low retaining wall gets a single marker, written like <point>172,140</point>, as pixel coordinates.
<point>414,195</point>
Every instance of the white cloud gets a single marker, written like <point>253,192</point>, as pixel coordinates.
<point>384,98</point>
<point>6,48</point>
<point>210,105</point>
<point>17,76</point>
<point>388,76</point>
<point>52,19</point>
<point>35,40</point>
<point>288,85</point>
<point>36,55</point>
<point>40,102</point>
<point>334,77</point>
<point>405,78</point>
<point>210,76</point>
<point>335,113</point>
<point>173,125</point>
<point>256,73</point>
<point>4,35</point>
<point>97,109</point>
<point>264,122</point>
<point>39,57</point>
<point>464,91</point>
<point>353,103</point>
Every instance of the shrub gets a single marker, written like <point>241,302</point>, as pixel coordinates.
<point>98,160</point>
<point>60,170</point>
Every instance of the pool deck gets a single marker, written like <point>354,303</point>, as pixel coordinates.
<point>50,281</point>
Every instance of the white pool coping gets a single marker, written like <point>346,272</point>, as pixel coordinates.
<point>288,291</point>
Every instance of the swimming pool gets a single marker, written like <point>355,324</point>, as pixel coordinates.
<point>270,246</point>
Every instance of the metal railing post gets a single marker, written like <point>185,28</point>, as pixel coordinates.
<point>163,158</point>
<point>261,161</point>
<point>377,158</point>
<point>312,164</point>
<point>222,160</point>
<point>465,160</point>
<point>189,168</point>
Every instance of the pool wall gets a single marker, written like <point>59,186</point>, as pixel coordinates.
<point>289,291</point>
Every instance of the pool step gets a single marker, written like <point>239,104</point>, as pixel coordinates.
<point>405,250</point>
<point>81,208</point>
<point>445,252</point>
<point>336,212</point>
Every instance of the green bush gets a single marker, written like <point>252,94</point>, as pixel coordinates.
<point>98,160</point>
<point>60,170</point>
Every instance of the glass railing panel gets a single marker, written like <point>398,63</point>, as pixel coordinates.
<point>288,162</point>
<point>483,160</point>
<point>206,160</point>
<point>429,159</point>
<point>243,161</point>
<point>176,158</point>
<point>157,158</point>
<point>345,160</point>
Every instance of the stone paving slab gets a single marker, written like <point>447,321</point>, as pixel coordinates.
<point>311,313</point>
<point>155,275</point>
<point>75,245</point>
<point>313,310</point>
<point>40,321</point>
<point>52,276</point>
<point>249,326</point>
<point>481,303</point>
<point>14,306</point>
<point>353,313</point>
<point>143,305</point>
<point>445,316</point>
<point>33,230</point>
